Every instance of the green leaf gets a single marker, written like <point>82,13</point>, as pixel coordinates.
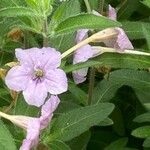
<point>114,60</point>
<point>134,29</point>
<point>81,142</point>
<point>22,108</point>
<point>143,118</point>
<point>75,122</point>
<point>58,41</point>
<point>146,2</point>
<point>118,120</point>
<point>127,9</point>
<point>106,122</point>
<point>66,106</point>
<point>117,145</point>
<point>65,11</point>
<point>106,89</point>
<point>142,132</point>
<point>6,139</point>
<point>147,143</point>
<point>78,93</point>
<point>58,145</point>
<point>89,63</point>
<point>18,11</point>
<point>85,21</point>
<point>146,32</point>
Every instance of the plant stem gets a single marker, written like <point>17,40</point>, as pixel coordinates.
<point>92,69</point>
<point>101,6</point>
<point>91,85</point>
<point>45,29</point>
<point>88,6</point>
<point>100,50</point>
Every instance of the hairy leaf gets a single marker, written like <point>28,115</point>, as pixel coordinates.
<point>75,122</point>
<point>85,21</point>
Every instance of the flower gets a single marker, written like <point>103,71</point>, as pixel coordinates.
<point>81,55</point>
<point>33,132</point>
<point>37,74</point>
<point>32,125</point>
<point>121,42</point>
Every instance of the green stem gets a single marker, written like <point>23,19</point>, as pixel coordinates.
<point>92,70</point>
<point>101,6</point>
<point>88,6</point>
<point>91,85</point>
<point>45,37</point>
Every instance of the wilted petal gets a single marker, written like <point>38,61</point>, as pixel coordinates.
<point>47,110</point>
<point>122,41</point>
<point>79,76</point>
<point>56,81</point>
<point>81,35</point>
<point>112,13</point>
<point>35,94</point>
<point>17,78</point>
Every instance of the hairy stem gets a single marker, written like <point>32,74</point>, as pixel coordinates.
<point>91,85</point>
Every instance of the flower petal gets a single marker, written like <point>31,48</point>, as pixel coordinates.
<point>33,132</point>
<point>17,78</point>
<point>79,76</point>
<point>56,81</point>
<point>23,57</point>
<point>26,145</point>
<point>45,57</point>
<point>122,41</point>
<point>81,35</point>
<point>47,110</point>
<point>112,13</point>
<point>82,54</point>
<point>35,94</point>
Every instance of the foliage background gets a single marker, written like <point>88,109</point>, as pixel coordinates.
<point>76,125</point>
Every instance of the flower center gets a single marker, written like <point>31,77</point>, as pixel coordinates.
<point>39,73</point>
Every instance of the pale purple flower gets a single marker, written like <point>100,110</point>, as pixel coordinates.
<point>81,55</point>
<point>33,132</point>
<point>34,125</point>
<point>37,74</point>
<point>121,42</point>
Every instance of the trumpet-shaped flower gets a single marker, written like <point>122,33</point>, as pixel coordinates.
<point>37,74</point>
<point>120,42</point>
<point>33,126</point>
<point>81,55</point>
